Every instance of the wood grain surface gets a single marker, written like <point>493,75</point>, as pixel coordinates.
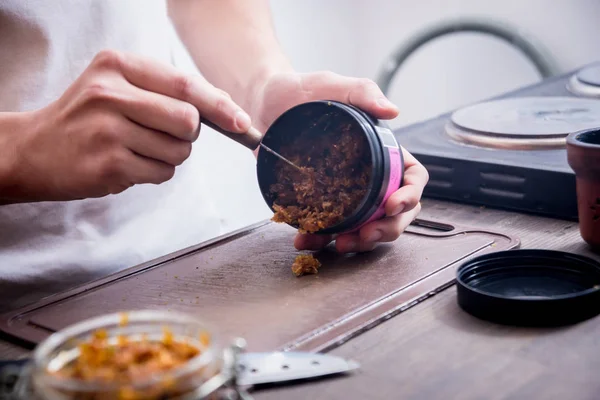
<point>436,351</point>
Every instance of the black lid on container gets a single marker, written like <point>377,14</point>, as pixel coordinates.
<point>530,287</point>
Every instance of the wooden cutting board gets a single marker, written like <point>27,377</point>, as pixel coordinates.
<point>243,285</point>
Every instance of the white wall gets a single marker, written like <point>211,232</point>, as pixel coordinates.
<point>352,37</point>
<point>464,68</point>
<point>319,34</point>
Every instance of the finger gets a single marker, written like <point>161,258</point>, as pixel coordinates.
<point>388,229</point>
<point>351,243</point>
<point>156,145</point>
<point>311,242</point>
<point>361,93</point>
<point>148,74</point>
<point>402,200</point>
<point>162,113</point>
<point>415,179</point>
<point>348,243</point>
<point>140,170</point>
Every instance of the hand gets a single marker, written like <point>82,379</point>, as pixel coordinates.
<point>126,120</point>
<point>286,90</point>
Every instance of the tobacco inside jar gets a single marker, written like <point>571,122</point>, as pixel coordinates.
<point>138,355</point>
<point>349,164</point>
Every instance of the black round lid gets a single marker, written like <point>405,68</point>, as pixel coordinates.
<point>530,287</point>
<point>590,75</point>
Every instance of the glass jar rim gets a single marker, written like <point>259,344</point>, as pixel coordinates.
<point>42,355</point>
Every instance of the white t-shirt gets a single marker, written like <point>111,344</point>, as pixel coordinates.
<point>51,246</point>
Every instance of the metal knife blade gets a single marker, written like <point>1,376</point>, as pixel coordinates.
<point>276,154</point>
<point>263,368</point>
<point>252,140</point>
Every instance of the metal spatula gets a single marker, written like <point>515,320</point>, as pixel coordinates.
<point>251,140</point>
<point>263,368</point>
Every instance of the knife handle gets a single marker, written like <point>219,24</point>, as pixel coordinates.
<point>250,139</point>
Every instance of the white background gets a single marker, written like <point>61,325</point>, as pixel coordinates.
<point>353,37</point>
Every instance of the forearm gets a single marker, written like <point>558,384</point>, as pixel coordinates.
<point>232,42</point>
<point>11,126</point>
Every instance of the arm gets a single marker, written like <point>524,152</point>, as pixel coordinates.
<point>234,45</point>
<point>232,42</point>
<point>11,124</point>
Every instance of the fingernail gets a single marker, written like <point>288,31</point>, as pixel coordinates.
<point>385,103</point>
<point>242,121</point>
<point>399,208</point>
<point>375,236</point>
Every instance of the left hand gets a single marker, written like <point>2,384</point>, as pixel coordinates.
<point>285,90</point>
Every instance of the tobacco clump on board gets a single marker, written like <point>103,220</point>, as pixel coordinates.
<point>334,175</point>
<point>122,363</point>
<point>336,170</point>
<point>305,264</point>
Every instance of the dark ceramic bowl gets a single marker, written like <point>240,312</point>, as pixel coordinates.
<point>583,152</point>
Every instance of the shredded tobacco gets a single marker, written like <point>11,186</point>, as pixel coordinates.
<point>305,264</point>
<point>334,178</point>
<point>125,362</point>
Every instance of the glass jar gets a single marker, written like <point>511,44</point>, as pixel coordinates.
<point>62,348</point>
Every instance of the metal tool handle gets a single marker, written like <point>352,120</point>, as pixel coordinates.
<point>250,139</point>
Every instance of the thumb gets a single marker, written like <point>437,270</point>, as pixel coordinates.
<point>366,95</point>
<point>360,92</point>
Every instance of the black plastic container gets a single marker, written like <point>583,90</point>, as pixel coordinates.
<point>530,287</point>
<point>385,155</point>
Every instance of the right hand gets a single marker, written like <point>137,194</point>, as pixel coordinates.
<point>126,120</point>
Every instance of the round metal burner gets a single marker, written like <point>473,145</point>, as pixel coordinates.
<point>590,75</point>
<point>523,123</point>
<point>586,82</point>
